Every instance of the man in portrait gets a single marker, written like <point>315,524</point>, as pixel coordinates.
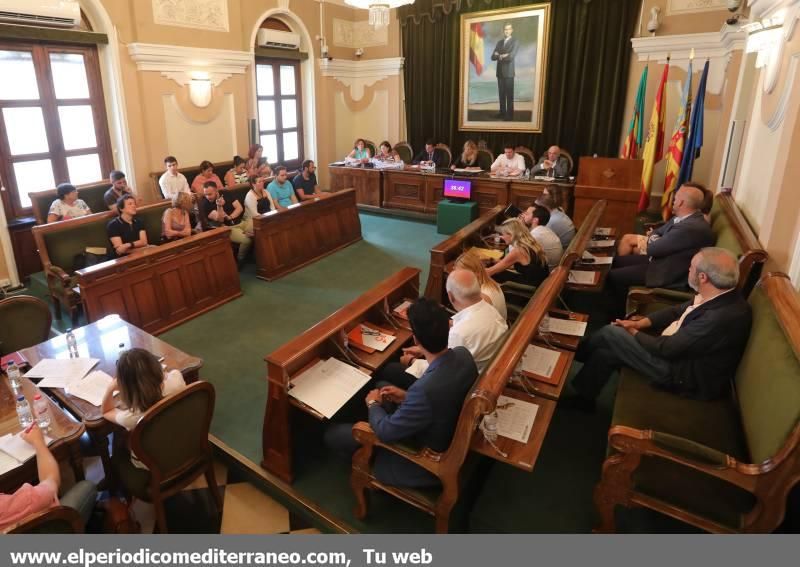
<point>504,53</point>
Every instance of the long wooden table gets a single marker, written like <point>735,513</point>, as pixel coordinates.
<point>161,287</point>
<point>288,240</point>
<point>101,340</point>
<point>323,340</point>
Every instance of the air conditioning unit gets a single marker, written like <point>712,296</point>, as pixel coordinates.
<point>57,13</point>
<point>277,39</point>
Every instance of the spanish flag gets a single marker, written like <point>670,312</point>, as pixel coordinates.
<point>476,35</point>
<point>654,147</point>
<point>676,145</point>
<point>633,141</point>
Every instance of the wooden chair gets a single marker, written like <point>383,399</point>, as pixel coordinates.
<point>485,158</point>
<point>568,155</point>
<point>445,148</point>
<point>405,151</point>
<point>26,322</point>
<point>171,440</point>
<point>527,154</point>
<point>58,520</point>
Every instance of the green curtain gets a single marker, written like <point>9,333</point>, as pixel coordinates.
<point>585,85</point>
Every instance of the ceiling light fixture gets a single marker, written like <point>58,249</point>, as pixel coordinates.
<point>378,9</point>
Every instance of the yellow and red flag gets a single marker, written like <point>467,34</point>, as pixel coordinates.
<point>633,141</point>
<point>476,35</point>
<point>676,145</point>
<point>654,146</point>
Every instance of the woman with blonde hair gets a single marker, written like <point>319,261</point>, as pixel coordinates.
<point>468,157</point>
<point>524,255</point>
<point>176,222</point>
<point>490,290</point>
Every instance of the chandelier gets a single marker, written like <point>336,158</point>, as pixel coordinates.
<point>378,9</point>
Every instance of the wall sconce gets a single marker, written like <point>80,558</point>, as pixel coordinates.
<point>200,90</point>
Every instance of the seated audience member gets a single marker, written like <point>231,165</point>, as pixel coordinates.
<point>126,232</point>
<point>237,175</point>
<point>670,248</point>
<point>536,219</point>
<point>206,174</point>
<point>431,155</point>
<point>552,164</point>
<point>490,290</point>
<point>176,222</point>
<point>254,154</point>
<point>280,190</point>
<point>257,201</point>
<point>509,163</point>
<point>263,170</point>
<point>560,223</point>
<point>220,212</point>
<point>119,187</point>
<point>468,156</point>
<point>67,206</point>
<point>360,152</point>
<point>172,181</point>
<point>305,183</point>
<point>141,383</point>
<point>694,349</point>
<point>425,414</point>
<point>29,499</point>
<point>524,255</point>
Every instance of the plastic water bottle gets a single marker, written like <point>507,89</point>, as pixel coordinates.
<point>544,325</point>
<point>527,174</point>
<point>24,412</point>
<point>72,344</point>
<point>490,427</point>
<point>42,410</point>
<point>13,375</point>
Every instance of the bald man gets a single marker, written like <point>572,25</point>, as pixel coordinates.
<point>692,350</point>
<point>670,248</point>
<point>552,162</point>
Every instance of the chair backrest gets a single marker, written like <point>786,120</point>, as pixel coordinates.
<point>446,148</point>
<point>26,322</point>
<point>485,158</point>
<point>568,155</point>
<point>58,520</point>
<point>92,194</point>
<point>171,439</point>
<point>768,378</point>
<point>405,151</point>
<point>527,154</point>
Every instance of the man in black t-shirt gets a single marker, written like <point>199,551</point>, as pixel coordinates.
<point>220,212</point>
<point>126,232</point>
<point>305,183</point>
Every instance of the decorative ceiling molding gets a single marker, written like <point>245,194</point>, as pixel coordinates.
<point>199,14</point>
<point>717,47</point>
<point>357,75</point>
<point>680,7</point>
<point>181,64</point>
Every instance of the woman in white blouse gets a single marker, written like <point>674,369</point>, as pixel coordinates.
<point>67,206</point>
<point>490,289</point>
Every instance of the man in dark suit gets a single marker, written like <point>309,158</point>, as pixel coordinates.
<point>426,414</point>
<point>504,53</point>
<point>432,155</point>
<point>669,249</point>
<point>697,347</point>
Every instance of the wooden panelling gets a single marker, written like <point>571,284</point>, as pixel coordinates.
<point>284,243</point>
<point>368,183</point>
<point>24,246</point>
<point>404,190</point>
<point>615,180</point>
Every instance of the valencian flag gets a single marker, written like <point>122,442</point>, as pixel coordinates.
<point>476,35</point>
<point>695,139</point>
<point>676,145</point>
<point>633,141</point>
<point>654,146</point>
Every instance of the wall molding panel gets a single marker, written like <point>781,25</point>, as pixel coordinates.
<point>181,63</point>
<point>199,14</point>
<point>358,75</point>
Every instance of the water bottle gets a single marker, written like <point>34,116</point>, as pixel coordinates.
<point>72,344</point>
<point>42,410</point>
<point>490,427</point>
<point>13,375</point>
<point>544,325</point>
<point>24,412</point>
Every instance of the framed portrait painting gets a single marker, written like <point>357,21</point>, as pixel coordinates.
<point>503,63</point>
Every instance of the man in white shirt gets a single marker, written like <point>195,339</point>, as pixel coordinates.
<point>537,218</point>
<point>173,181</point>
<point>509,163</point>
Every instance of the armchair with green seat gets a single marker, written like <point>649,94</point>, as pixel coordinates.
<point>26,322</point>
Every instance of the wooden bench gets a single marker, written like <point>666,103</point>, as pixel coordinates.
<point>92,194</point>
<point>724,466</point>
<point>59,243</point>
<point>220,168</point>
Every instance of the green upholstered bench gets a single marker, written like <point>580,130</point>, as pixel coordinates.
<point>91,194</point>
<point>733,233</point>
<point>723,466</point>
<point>60,242</point>
<point>220,168</point>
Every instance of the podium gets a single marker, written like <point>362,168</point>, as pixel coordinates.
<point>453,216</point>
<point>615,180</point>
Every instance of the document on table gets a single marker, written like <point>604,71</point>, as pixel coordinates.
<point>582,277</point>
<point>602,231</point>
<point>7,463</point>
<point>373,338</point>
<point>540,361</point>
<point>515,418</point>
<point>402,309</point>
<point>12,445</point>
<point>602,243</point>
<point>566,327</point>
<point>58,372</point>
<point>598,260</point>
<point>328,385</point>
<point>488,253</point>
<point>91,388</point>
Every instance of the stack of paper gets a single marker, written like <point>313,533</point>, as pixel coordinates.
<point>540,361</point>
<point>602,231</point>
<point>14,451</point>
<point>598,260</point>
<point>515,418</point>
<point>487,253</point>
<point>369,338</point>
<point>582,277</point>
<point>58,372</point>
<point>602,243</point>
<point>327,386</point>
<point>91,388</point>
<point>402,309</point>
<point>567,327</point>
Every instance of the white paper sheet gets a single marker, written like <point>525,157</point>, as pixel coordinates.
<point>17,448</point>
<point>402,309</point>
<point>328,386</point>
<point>602,243</point>
<point>567,327</point>
<point>605,231</point>
<point>91,388</point>
<point>541,361</point>
<point>583,277</point>
<point>515,418</point>
<point>597,260</point>
<point>58,372</point>
<point>7,463</point>
<point>379,342</point>
<point>418,368</point>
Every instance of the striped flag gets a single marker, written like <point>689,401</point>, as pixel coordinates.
<point>695,139</point>
<point>476,35</point>
<point>676,145</point>
<point>633,140</point>
<point>654,146</point>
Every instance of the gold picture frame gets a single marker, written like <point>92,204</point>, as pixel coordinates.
<point>501,81</point>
